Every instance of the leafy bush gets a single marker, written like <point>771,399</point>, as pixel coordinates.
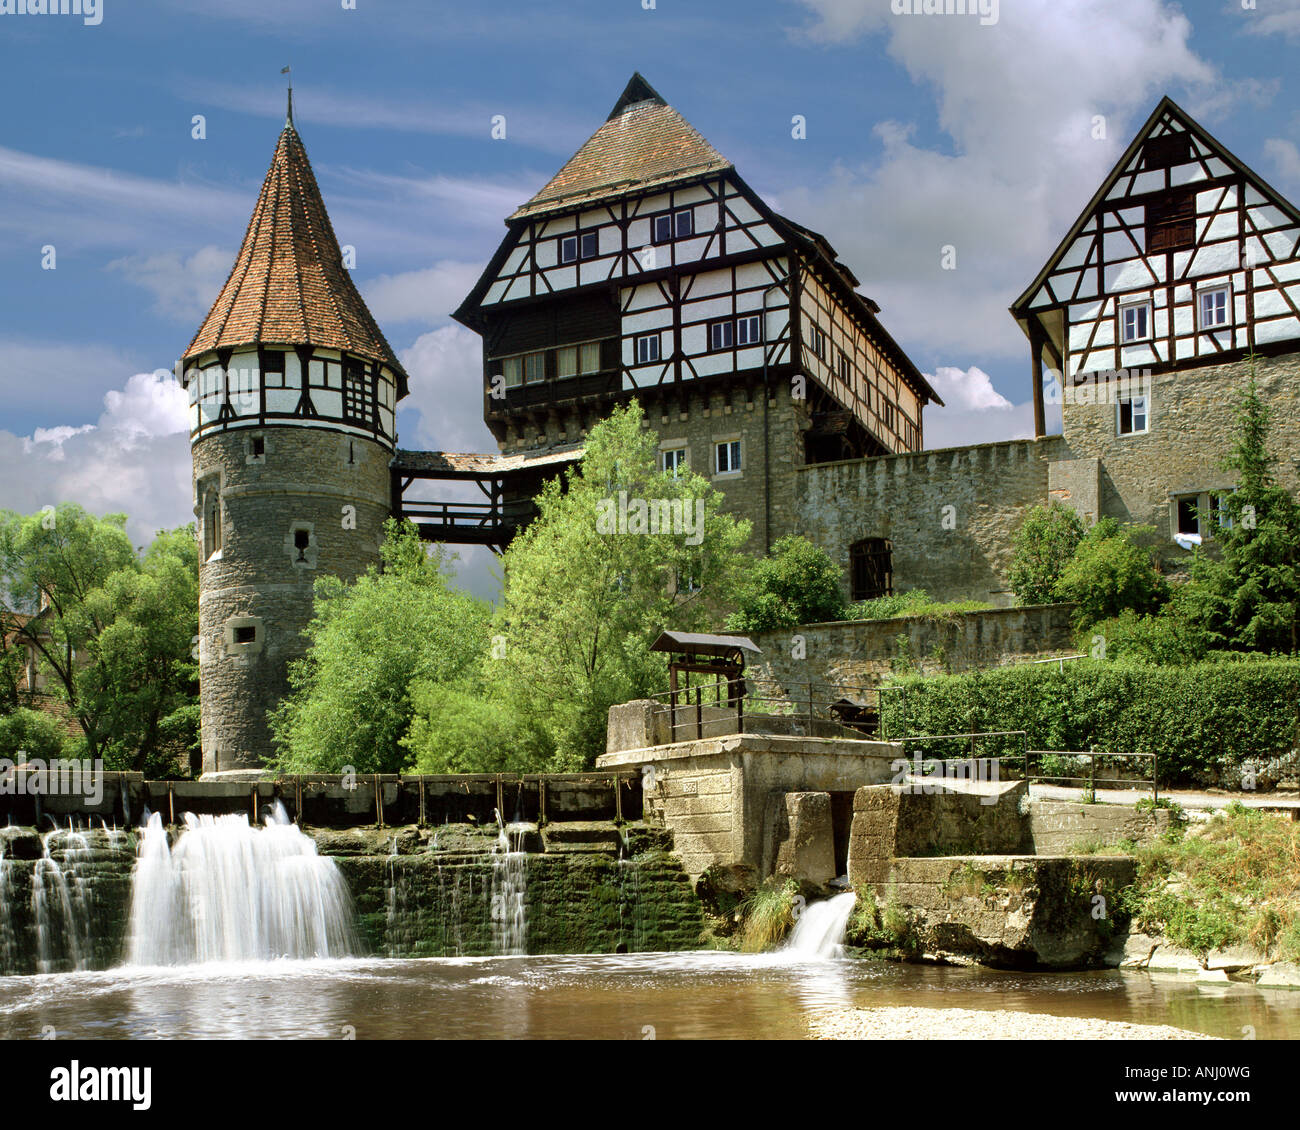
<point>26,734</point>
<point>1043,546</point>
<point>1163,639</point>
<point>768,915</point>
<point>1110,573</point>
<point>914,602</point>
<point>1202,720</point>
<point>797,583</point>
<point>456,729</point>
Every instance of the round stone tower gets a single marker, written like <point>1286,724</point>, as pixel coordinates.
<point>293,395</point>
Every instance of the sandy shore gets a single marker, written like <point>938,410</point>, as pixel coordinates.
<point>969,1024</point>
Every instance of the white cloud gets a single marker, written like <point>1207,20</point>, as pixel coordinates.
<point>1017,102</point>
<point>183,287</point>
<point>974,411</point>
<point>446,367</point>
<point>1285,157</point>
<point>429,295</point>
<point>135,460</point>
<point>1260,21</point>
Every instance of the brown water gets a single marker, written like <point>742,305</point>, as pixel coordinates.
<point>642,996</point>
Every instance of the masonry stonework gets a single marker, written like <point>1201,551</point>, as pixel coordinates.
<point>304,480</point>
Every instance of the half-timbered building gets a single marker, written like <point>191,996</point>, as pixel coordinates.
<point>647,268</point>
<point>1180,279</point>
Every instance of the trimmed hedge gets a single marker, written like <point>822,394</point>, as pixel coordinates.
<point>1203,720</point>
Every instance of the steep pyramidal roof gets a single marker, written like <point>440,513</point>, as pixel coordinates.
<point>288,285</point>
<point>643,142</point>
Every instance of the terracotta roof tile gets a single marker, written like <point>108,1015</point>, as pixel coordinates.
<point>288,285</point>
<point>644,143</point>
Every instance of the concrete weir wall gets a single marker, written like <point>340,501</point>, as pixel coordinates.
<point>713,792</point>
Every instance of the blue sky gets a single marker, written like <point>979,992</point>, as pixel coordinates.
<point>922,130</point>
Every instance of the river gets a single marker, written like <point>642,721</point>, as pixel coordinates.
<point>618,997</point>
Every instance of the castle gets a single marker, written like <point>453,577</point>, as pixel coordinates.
<point>647,269</point>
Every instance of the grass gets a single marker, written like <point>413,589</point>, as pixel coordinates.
<point>768,915</point>
<point>876,926</point>
<point>1234,880</point>
<point>917,602</point>
<point>968,882</point>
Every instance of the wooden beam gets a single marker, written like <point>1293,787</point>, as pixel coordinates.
<point>1036,349</point>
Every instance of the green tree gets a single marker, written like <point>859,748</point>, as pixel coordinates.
<point>1249,598</point>
<point>1043,545</point>
<point>1111,572</point>
<point>461,729</point>
<point>797,583</point>
<point>593,580</point>
<point>350,703</point>
<point>114,631</point>
<point>27,734</point>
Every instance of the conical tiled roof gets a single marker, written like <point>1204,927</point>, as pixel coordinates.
<point>644,142</point>
<point>288,285</point>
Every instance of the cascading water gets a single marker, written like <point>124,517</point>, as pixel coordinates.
<point>820,929</point>
<point>509,883</point>
<point>8,936</point>
<point>227,891</point>
<point>59,904</point>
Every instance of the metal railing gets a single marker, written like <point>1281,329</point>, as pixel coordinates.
<point>736,707</point>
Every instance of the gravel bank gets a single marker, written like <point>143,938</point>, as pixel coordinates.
<point>970,1024</point>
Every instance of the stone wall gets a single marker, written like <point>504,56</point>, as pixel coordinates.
<point>1191,429</point>
<point>1019,912</point>
<point>861,652</point>
<point>713,794</point>
<point>950,513</point>
<point>334,486</point>
<point>1059,826</point>
<point>890,821</point>
<point>435,897</point>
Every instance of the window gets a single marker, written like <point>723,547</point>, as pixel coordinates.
<point>512,368</point>
<point>246,633</point>
<point>817,340</point>
<point>534,368</point>
<point>1212,307</point>
<point>578,245</point>
<point>273,369</point>
<point>358,395</point>
<point>647,349</point>
<point>1133,416</point>
<point>211,523</point>
<point>749,330</point>
<point>672,460</point>
<point>726,457</point>
<point>871,568</point>
<point>1135,321</point>
<point>846,368</point>
<point>566,361</point>
<point>1219,507</point>
<point>589,358</point>
<point>673,225</point>
<point>720,335</point>
<point>1187,517</point>
<point>1171,221</point>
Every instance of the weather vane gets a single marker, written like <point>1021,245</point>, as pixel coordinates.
<point>288,120</point>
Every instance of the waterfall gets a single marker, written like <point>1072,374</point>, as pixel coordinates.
<point>9,952</point>
<point>820,929</point>
<point>227,891</point>
<point>509,882</point>
<point>59,904</point>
